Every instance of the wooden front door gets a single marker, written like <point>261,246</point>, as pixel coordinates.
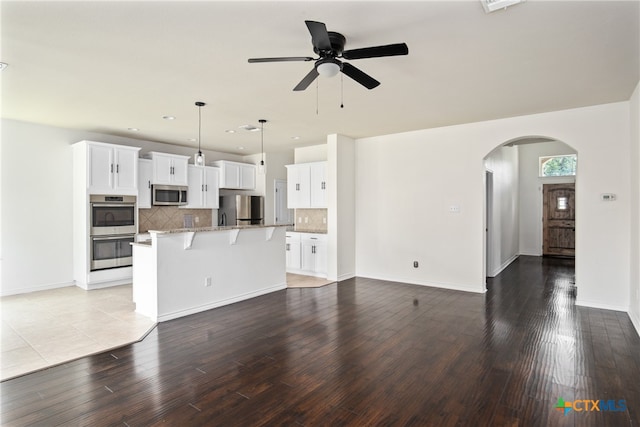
<point>559,219</point>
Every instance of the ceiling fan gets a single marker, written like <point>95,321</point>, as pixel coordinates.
<point>329,46</point>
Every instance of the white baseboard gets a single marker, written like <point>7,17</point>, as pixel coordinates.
<point>452,286</point>
<point>598,305</point>
<point>346,276</point>
<point>635,319</point>
<point>503,266</point>
<point>209,306</point>
<point>525,253</point>
<point>38,288</point>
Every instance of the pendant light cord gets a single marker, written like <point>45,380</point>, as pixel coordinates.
<point>199,127</point>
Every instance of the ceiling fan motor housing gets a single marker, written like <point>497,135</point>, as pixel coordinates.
<point>337,46</point>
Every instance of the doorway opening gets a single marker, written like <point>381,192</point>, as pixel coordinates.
<point>515,203</point>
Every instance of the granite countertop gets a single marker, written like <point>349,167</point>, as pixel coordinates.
<point>310,231</point>
<point>216,228</point>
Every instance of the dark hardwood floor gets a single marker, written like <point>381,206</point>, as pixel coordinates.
<point>361,352</point>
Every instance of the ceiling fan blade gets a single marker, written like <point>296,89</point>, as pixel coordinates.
<point>377,51</point>
<point>282,59</point>
<point>360,76</point>
<point>308,79</point>
<point>319,35</point>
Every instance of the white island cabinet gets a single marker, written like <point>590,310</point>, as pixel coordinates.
<point>187,271</point>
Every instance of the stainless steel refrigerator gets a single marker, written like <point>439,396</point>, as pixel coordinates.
<point>241,210</point>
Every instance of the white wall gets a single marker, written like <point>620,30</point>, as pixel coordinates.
<point>406,182</point>
<point>36,204</point>
<point>531,191</point>
<point>313,153</point>
<point>341,207</point>
<point>634,295</point>
<point>504,227</point>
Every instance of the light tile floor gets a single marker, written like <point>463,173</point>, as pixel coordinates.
<point>46,328</point>
<point>301,281</point>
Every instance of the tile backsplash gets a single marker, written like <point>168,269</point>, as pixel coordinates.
<point>172,217</point>
<point>312,220</point>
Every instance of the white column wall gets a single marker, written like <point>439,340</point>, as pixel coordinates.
<point>634,295</point>
<point>341,211</point>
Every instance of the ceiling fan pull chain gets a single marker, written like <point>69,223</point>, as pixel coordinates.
<point>317,96</point>
<point>341,90</point>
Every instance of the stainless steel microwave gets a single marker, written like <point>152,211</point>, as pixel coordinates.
<point>168,195</point>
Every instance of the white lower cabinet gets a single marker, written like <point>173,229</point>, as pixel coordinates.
<point>307,253</point>
<point>292,249</point>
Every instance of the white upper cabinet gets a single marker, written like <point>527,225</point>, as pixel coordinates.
<point>203,187</point>
<point>307,185</point>
<point>237,176</point>
<point>111,169</point>
<point>169,169</point>
<point>145,173</point>
<point>318,172</point>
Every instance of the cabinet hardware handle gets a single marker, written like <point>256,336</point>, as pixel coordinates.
<point>118,168</point>
<point>149,183</point>
<point>288,246</point>
<point>202,187</point>
<point>111,167</point>
<point>206,187</point>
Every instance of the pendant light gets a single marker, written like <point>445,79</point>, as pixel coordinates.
<point>198,158</point>
<point>262,167</point>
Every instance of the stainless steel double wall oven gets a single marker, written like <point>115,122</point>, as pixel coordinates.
<point>112,229</point>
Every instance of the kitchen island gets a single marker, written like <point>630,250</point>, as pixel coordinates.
<point>186,271</point>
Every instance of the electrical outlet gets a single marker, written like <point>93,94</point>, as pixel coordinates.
<point>454,209</point>
<point>197,219</point>
<point>306,220</point>
<point>300,219</point>
<point>324,219</point>
<point>207,281</point>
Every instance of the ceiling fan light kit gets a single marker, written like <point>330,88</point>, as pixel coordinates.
<point>328,67</point>
<point>329,46</point>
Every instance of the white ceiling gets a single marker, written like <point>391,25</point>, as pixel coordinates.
<point>108,66</point>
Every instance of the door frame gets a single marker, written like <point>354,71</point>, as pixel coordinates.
<point>279,183</point>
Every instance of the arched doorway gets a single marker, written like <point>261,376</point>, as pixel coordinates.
<point>514,198</point>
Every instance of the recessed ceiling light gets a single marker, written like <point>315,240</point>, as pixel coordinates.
<point>168,117</point>
<point>3,65</point>
<point>250,128</point>
<point>240,148</point>
<point>191,139</point>
<point>133,129</point>
<point>230,131</point>
<point>493,5</point>
<point>295,137</point>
